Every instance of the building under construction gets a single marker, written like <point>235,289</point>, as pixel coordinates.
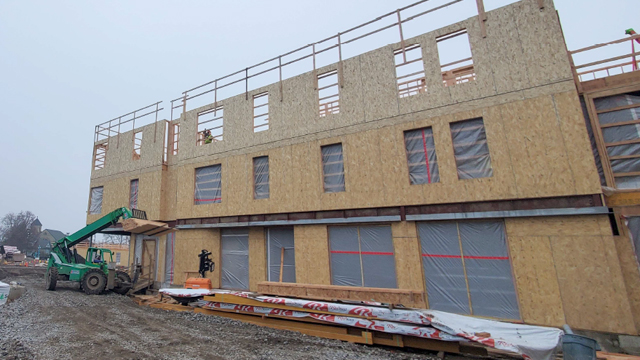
<point>459,170</point>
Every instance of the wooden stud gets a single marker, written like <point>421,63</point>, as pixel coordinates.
<point>482,18</point>
<point>404,53</point>
<point>281,262</point>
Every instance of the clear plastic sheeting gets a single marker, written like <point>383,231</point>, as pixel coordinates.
<point>443,269</point>
<point>235,259</point>
<point>261,177</point>
<point>95,205</point>
<point>169,260</point>
<point>618,126</point>
<point>633,223</point>
<point>421,156</point>
<point>333,168</point>
<point>208,185</point>
<point>133,194</point>
<point>471,149</point>
<point>473,255</point>
<point>362,256</point>
<point>592,139</point>
<point>278,239</point>
<point>486,259</point>
<point>138,249</point>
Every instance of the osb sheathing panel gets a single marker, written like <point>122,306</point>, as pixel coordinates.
<point>542,43</point>
<point>188,244</point>
<point>536,281</point>
<point>116,194</point>
<point>119,158</point>
<point>312,254</point>
<point>407,251</point>
<point>530,157</point>
<point>257,257</point>
<point>587,273</point>
<point>379,87</point>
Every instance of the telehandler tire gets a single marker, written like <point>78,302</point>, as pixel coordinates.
<point>93,282</point>
<point>51,278</point>
<point>122,277</point>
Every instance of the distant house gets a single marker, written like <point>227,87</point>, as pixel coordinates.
<point>46,239</point>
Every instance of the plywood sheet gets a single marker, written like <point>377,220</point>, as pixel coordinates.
<point>630,275</point>
<point>590,284</point>
<point>407,255</point>
<point>536,280</point>
<point>188,244</point>
<point>257,257</point>
<point>555,226</point>
<point>312,254</point>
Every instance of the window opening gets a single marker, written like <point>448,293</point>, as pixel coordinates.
<point>133,194</point>
<point>467,268</point>
<point>137,145</point>
<point>333,168</point>
<point>175,138</point>
<point>281,254</point>
<point>421,156</point>
<point>456,60</point>
<point>410,71</point>
<point>95,203</point>
<point>210,126</point>
<point>100,156</point>
<point>261,112</point>
<point>471,149</point>
<point>261,177</point>
<point>208,187</point>
<point>362,256</point>
<point>329,93</point>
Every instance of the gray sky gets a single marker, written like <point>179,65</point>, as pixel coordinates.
<point>66,66</point>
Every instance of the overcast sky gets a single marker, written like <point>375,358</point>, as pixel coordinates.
<point>66,66</point>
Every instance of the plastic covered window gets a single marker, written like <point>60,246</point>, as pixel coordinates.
<point>619,117</point>
<point>95,204</point>
<point>281,254</point>
<point>467,268</point>
<point>362,256</point>
<point>261,177</point>
<point>333,168</point>
<point>133,194</point>
<point>421,156</point>
<point>235,259</point>
<point>208,189</point>
<point>471,149</point>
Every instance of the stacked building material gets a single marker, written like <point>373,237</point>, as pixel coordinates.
<point>371,324</point>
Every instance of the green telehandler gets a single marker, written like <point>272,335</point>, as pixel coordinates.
<point>97,272</point>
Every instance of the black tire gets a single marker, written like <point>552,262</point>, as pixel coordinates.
<point>120,288</point>
<point>93,282</point>
<point>51,278</point>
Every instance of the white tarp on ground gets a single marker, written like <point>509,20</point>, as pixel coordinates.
<point>186,292</point>
<point>532,342</point>
<point>4,292</point>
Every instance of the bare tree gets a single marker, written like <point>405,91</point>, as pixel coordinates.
<point>15,230</point>
<point>114,239</point>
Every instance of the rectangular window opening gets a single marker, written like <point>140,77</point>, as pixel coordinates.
<point>208,185</point>
<point>471,149</point>
<point>281,254</point>
<point>133,194</point>
<point>261,112</point>
<point>175,138</point>
<point>456,60</point>
<point>421,156</point>
<point>333,168</point>
<point>100,156</point>
<point>95,203</point>
<point>210,126</point>
<point>261,177</point>
<point>467,268</point>
<point>137,145</point>
<point>329,93</point>
<point>410,71</point>
<point>362,256</point>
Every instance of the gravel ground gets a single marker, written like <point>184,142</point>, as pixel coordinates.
<point>67,324</point>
